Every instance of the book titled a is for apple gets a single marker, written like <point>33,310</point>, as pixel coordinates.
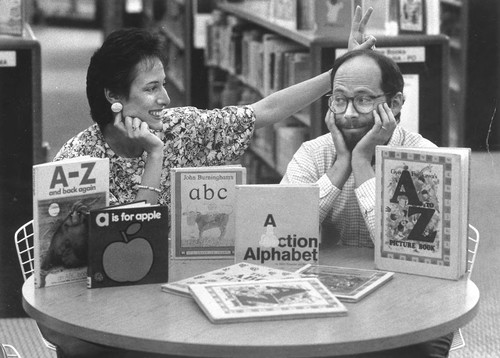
<point>128,245</point>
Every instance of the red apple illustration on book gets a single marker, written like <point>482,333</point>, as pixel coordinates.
<point>129,260</point>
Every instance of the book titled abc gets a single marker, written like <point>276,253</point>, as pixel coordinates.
<point>63,194</point>
<point>128,246</point>
<point>203,211</point>
<point>277,225</point>
<point>422,200</point>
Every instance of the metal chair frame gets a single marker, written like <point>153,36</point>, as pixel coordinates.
<point>9,351</point>
<point>473,243</point>
<point>25,253</point>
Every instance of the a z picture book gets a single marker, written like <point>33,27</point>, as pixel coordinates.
<point>64,192</point>
<point>264,300</point>
<point>422,202</point>
<point>242,271</point>
<point>203,200</point>
<point>346,283</point>
<point>128,245</point>
<point>277,225</point>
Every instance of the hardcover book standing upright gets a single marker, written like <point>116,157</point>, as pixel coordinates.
<point>128,245</point>
<point>203,202</point>
<point>63,194</point>
<point>422,200</point>
<point>263,300</point>
<point>277,225</point>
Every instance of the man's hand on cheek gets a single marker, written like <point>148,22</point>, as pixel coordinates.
<point>379,134</point>
<point>338,139</point>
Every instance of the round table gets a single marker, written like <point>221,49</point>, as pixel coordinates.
<point>407,310</point>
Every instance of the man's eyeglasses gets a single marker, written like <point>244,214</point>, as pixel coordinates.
<point>362,103</point>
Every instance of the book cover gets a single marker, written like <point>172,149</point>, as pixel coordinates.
<point>63,194</point>
<point>421,210</point>
<point>11,17</point>
<point>347,284</point>
<point>277,225</point>
<point>128,245</point>
<point>264,300</point>
<point>239,272</point>
<point>203,218</point>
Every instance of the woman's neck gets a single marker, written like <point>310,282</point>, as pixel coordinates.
<point>120,144</point>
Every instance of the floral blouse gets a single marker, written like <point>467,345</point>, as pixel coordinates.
<point>192,137</point>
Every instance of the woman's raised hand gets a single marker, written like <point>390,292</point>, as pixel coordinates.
<point>357,38</point>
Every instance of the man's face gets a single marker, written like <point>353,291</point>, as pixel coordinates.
<point>358,76</point>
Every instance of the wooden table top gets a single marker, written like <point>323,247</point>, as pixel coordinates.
<point>407,310</point>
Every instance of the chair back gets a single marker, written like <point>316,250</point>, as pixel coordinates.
<point>24,246</point>
<point>472,246</point>
<point>9,351</point>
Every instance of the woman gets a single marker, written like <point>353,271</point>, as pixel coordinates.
<point>144,139</point>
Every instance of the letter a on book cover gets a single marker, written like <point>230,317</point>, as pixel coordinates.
<point>277,225</point>
<point>422,210</point>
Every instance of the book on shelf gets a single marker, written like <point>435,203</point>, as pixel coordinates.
<point>346,283</point>
<point>325,18</point>
<point>421,210</point>
<point>63,194</point>
<point>274,47</point>
<point>277,225</point>
<point>128,245</point>
<point>203,211</point>
<point>11,17</point>
<point>240,272</point>
<point>266,300</point>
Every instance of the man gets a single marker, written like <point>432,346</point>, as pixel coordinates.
<point>364,109</point>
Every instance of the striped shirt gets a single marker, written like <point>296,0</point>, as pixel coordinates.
<point>348,212</point>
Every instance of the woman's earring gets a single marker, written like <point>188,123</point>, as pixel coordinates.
<point>116,107</point>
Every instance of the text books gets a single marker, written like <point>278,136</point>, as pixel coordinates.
<point>277,225</point>
<point>63,194</point>
<point>262,300</point>
<point>422,210</point>
<point>128,245</point>
<point>347,284</point>
<point>239,272</point>
<point>203,211</point>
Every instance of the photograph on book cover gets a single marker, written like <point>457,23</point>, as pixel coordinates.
<point>416,206</point>
<point>412,16</point>
<point>266,299</point>
<point>203,219</point>
<point>63,231</point>
<point>348,284</point>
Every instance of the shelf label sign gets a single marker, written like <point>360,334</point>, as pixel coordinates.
<point>397,54</point>
<point>8,59</point>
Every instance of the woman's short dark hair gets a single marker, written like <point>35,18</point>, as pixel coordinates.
<point>113,66</point>
<point>392,79</point>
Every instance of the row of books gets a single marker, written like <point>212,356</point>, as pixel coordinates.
<point>421,220</point>
<point>265,61</point>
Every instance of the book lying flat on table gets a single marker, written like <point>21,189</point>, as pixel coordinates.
<point>348,284</point>
<point>266,300</point>
<point>239,272</point>
<point>421,210</point>
<point>63,194</point>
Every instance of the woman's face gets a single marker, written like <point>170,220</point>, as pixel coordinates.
<point>147,96</point>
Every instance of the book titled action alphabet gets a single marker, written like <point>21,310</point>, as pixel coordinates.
<point>277,225</point>
<point>422,202</point>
